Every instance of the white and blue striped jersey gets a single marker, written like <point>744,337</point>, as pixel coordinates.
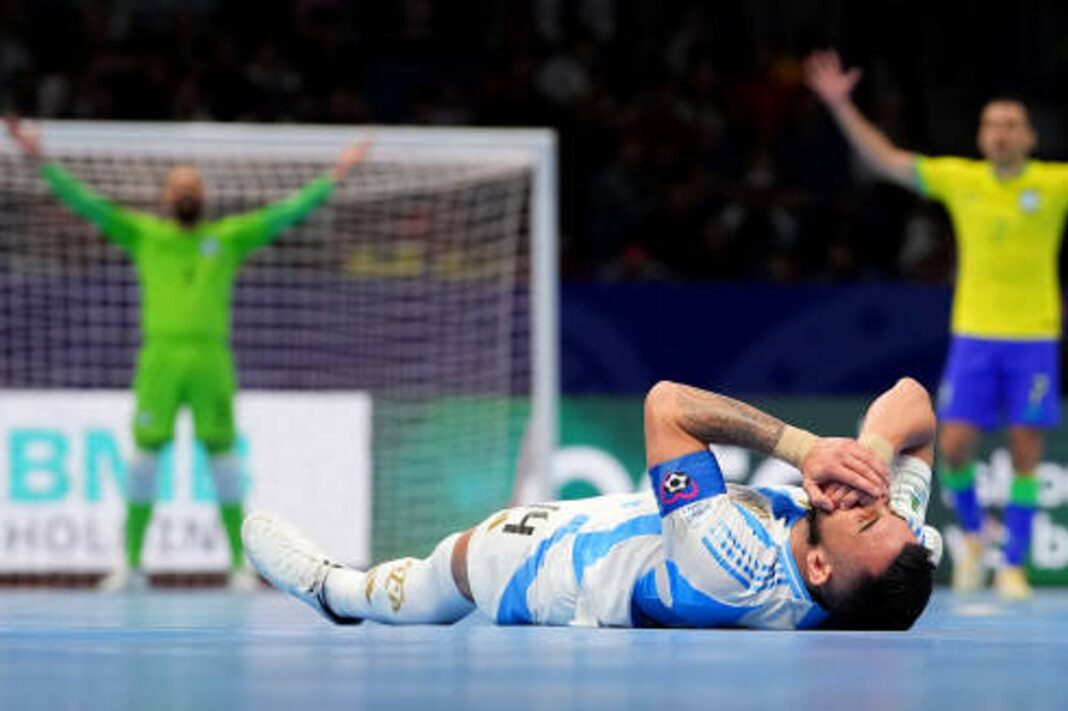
<point>693,552</point>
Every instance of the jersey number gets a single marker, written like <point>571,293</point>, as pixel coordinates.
<point>524,527</point>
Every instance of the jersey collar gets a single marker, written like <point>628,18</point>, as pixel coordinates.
<point>1009,181</point>
<point>793,573</point>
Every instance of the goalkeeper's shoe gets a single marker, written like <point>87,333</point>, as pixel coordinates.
<point>290,562</point>
<point>1011,584</point>
<point>124,580</point>
<point>968,572</point>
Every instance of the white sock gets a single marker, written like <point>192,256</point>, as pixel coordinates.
<point>403,591</point>
<point>226,475</point>
<point>142,481</point>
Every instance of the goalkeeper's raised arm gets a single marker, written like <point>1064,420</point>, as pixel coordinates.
<point>183,196</point>
<point>28,139</point>
<point>118,224</point>
<point>834,85</point>
<point>253,230</point>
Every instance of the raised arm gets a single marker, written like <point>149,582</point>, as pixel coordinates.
<point>296,207</point>
<point>117,223</point>
<point>833,85</point>
<point>258,228</point>
<point>901,421</point>
<point>26,138</point>
<point>680,420</point>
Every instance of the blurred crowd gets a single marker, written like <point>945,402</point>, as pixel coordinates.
<point>690,147</point>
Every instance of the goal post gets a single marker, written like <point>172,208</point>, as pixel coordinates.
<point>429,281</point>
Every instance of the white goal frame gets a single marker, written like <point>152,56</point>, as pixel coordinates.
<point>535,147</point>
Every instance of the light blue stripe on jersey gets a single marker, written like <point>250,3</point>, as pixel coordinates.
<point>514,608</point>
<point>736,552</point>
<point>797,583</point>
<point>591,547</point>
<point>742,558</point>
<point>689,607</point>
<point>756,526</point>
<point>725,564</point>
<point>813,618</point>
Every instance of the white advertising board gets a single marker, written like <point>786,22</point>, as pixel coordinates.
<point>63,461</point>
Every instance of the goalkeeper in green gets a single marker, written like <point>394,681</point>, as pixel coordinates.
<point>186,267</point>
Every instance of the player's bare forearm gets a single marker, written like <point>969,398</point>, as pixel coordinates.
<point>875,149</point>
<point>833,83</point>
<point>902,419</point>
<point>712,418</point>
<point>680,419</point>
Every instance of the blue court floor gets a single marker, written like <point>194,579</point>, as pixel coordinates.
<point>213,650</point>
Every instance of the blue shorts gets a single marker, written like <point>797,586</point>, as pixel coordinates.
<point>992,382</point>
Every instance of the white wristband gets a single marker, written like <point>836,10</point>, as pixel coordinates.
<point>794,444</point>
<point>879,445</point>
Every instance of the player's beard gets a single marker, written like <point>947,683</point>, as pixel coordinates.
<point>187,211</point>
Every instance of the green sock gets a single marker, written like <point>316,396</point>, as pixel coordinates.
<point>232,515</point>
<point>138,517</point>
<point>1025,490</point>
<point>961,483</point>
<point>957,479</point>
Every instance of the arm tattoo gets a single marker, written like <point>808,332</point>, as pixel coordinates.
<point>716,419</point>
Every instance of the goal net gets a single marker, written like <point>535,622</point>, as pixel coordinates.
<point>427,281</point>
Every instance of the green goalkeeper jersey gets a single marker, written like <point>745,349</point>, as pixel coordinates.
<point>186,275</point>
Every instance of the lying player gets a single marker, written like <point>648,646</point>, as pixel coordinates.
<point>694,552</point>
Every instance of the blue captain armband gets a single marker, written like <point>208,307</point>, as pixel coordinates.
<point>682,481</point>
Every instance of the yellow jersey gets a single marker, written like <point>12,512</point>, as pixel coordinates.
<point>1008,237</point>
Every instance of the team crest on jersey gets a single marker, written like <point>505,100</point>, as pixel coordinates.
<point>1029,201</point>
<point>677,486</point>
<point>209,247</point>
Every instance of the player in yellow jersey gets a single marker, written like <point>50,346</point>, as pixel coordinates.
<point>1008,213</point>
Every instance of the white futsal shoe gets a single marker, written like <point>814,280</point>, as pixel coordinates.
<point>968,572</point>
<point>1011,584</point>
<point>124,580</point>
<point>290,562</point>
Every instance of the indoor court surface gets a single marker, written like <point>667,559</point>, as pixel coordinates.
<point>214,650</point>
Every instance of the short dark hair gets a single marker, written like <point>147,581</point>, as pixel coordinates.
<point>1008,97</point>
<point>891,601</point>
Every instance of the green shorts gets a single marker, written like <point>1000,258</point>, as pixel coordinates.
<point>173,373</point>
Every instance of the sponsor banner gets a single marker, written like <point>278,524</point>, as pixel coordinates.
<point>63,467</point>
<point>602,452</point>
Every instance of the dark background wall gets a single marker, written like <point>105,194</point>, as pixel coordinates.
<point>690,149</point>
<point>750,338</point>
